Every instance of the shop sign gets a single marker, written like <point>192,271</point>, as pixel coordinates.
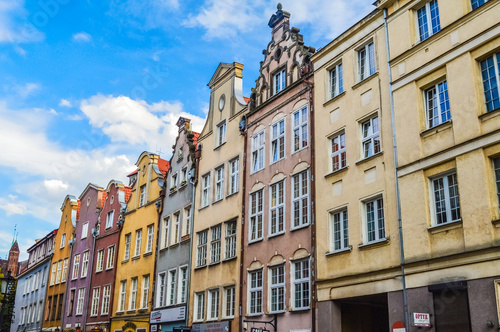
<point>154,328</point>
<point>254,329</point>
<point>421,319</point>
<point>168,315</point>
<point>212,327</point>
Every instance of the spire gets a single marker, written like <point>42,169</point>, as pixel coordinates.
<point>14,238</point>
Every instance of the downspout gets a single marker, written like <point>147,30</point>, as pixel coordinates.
<point>95,233</point>
<point>242,237</point>
<point>396,165</point>
<point>70,268</point>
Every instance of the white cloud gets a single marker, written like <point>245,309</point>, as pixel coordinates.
<point>15,24</point>
<point>27,90</point>
<point>13,208</point>
<point>74,117</point>
<point>21,51</point>
<point>65,103</point>
<point>82,37</point>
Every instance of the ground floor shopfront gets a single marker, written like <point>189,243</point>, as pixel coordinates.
<point>131,323</point>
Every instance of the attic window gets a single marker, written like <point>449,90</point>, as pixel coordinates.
<point>279,80</point>
<point>279,53</point>
<point>112,199</point>
<point>88,201</point>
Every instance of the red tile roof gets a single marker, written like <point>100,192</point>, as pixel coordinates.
<point>163,165</point>
<point>103,198</point>
<point>134,172</point>
<point>78,210</point>
<point>195,138</point>
<point>246,99</point>
<point>128,193</point>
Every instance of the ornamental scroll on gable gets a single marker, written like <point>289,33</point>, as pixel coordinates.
<point>286,59</point>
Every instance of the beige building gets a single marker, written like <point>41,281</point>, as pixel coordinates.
<point>215,269</point>
<point>445,61</point>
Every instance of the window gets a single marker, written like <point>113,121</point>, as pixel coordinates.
<point>234,166</point>
<point>258,144</point>
<point>221,133</point>
<point>106,296</point>
<point>301,284</point>
<point>111,258</point>
<point>128,239</point>
<point>219,184</point>
<point>201,252</point>
<point>187,220</point>
<point>52,275</point>
<point>279,81</point>
<point>182,288</point>
<point>496,166</point>
<point>255,293</point>
<point>177,225</point>
<point>166,231</point>
<point>366,61</point>
<point>149,243</point>
<point>199,308</point>
<point>85,230</point>
<point>145,292</point>
<point>109,219</point>
<point>451,306</point>
<point>64,271</point>
<point>300,199</point>
<point>79,303</point>
<point>215,244</point>
<point>278,141</point>
<point>375,227</point>
<point>123,294</point>
<point>138,239</point>
<point>277,208</point>
<point>85,264</point>
<point>213,304</point>
<point>95,301</point>
<point>143,195</point>
<point>339,234</point>
<point>172,282</point>
<point>59,270</point>
<point>477,3</point>
<point>256,215</point>
<point>173,181</point>
<point>336,81</point>
<point>160,299</point>
<point>63,240</point>
<point>230,239</point>
<point>183,175</point>
<point>339,160</point>
<point>370,137</point>
<point>133,294</point>
<point>446,199</point>
<point>76,266</point>
<point>428,20</point>
<point>40,311</point>
<point>100,261</point>
<point>490,70</point>
<point>277,288</point>
<point>228,302</point>
<point>300,135</point>
<point>437,104</point>
<point>205,194</point>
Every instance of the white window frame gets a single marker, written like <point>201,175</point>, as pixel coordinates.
<point>100,260</point>
<point>85,230</point>
<point>132,304</point>
<point>300,279</point>
<point>59,270</point>
<point>277,289</point>
<point>375,204</point>
<point>495,58</point>
<point>437,104</point>
<point>160,294</point>
<point>426,9</point>
<point>221,134</point>
<point>201,250</point>
<point>300,128</point>
<point>142,200</point>
<point>128,242</point>
<point>52,274</point>
<point>176,234</point>
<point>447,186</point>
<point>234,176</point>
<point>199,307</point>
<point>149,242</point>
<point>85,263</point>
<point>95,302</point>
<point>255,292</point>
<point>145,292</point>
<point>256,216</point>
<point>219,184</point>
<point>215,244</point>
<point>110,259</point>
<point>172,287</point>
<point>300,200</point>
<point>182,286</point>
<point>187,220</point>
<point>278,141</point>
<point>64,271</point>
<point>230,239</point>
<point>76,267</point>
<point>173,181</point>
<point>63,241</point>
<point>338,152</point>
<point>122,296</point>
<point>339,230</point>
<point>213,304</point>
<point>106,297</point>
<point>258,155</point>
<point>370,137</point>
<point>279,81</point>
<point>109,219</point>
<point>336,80</point>
<point>205,190</point>
<point>228,302</point>
<point>138,242</point>
<point>166,231</point>
<point>277,193</point>
<point>79,303</point>
<point>366,69</point>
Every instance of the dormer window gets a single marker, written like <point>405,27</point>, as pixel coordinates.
<point>279,81</point>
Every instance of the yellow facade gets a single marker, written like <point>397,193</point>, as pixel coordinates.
<point>218,204</point>
<point>135,258</point>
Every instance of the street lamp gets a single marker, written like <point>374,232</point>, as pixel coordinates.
<point>5,288</point>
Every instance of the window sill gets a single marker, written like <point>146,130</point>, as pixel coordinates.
<point>254,315</point>
<point>257,171</point>
<point>182,185</point>
<point>375,244</point>
<point>336,172</point>
<point>174,245</point>
<point>270,236</point>
<point>276,161</point>
<point>203,207</point>
<point>436,129</point>
<point>142,310</point>
<point>255,241</point>
<point>496,223</point>
<point>445,227</point>
<point>333,98</point>
<point>231,195</point>
<point>301,148</point>
<point>149,253</point>
<point>299,309</point>
<point>489,115</point>
<point>339,252</point>
<point>131,311</point>
<point>214,264</point>
<point>172,191</point>
<point>109,268</point>
<point>366,79</point>
<point>136,257</point>
<point>218,146</point>
<point>373,156</point>
<point>229,259</point>
<point>217,201</point>
<point>293,229</point>
<point>199,267</point>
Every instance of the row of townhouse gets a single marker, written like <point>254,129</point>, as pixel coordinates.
<point>356,189</point>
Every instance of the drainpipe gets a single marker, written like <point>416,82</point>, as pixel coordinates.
<point>398,198</point>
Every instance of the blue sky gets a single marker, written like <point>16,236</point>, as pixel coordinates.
<point>88,85</point>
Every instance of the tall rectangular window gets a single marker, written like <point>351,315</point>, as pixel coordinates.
<point>166,232</point>
<point>133,295</point>
<point>446,199</point>
<point>230,239</point>
<point>219,183</point>
<point>199,306</point>
<point>145,292</point>
<point>234,176</point>
<point>300,129</point>
<point>79,303</point>
<point>428,20</point>
<point>53,274</point>
<point>228,302</point>
<point>278,141</point>
<point>375,226</point>
<point>109,219</point>
<point>490,70</point>
<point>213,304</point>
<point>339,232</point>
<point>277,288</point>
<point>255,292</point>
<point>437,104</point>
<point>338,155</point>
<point>100,261</point>
<point>205,190</point>
<point>496,166</point>
<point>336,81</point>
<point>111,258</point>
<point>106,296</point>
<point>173,181</point>
<point>301,285</point>
<point>256,215</point>
<point>71,302</point>
<point>300,199</point>
<point>172,283</point>
<point>366,61</point>
<point>258,145</point>
<point>477,3</point>
<point>149,243</point>
<point>128,240</point>
<point>215,244</point>
<point>182,287</point>
<point>160,295</point>
<point>63,240</point>
<point>177,225</point>
<point>277,208</point>
<point>138,240</point>
<point>85,230</point>
<point>123,294</point>
<point>143,195</point>
<point>95,301</point>
<point>187,220</point>
<point>279,81</point>
<point>76,266</point>
<point>59,270</point>
<point>201,251</point>
<point>370,139</point>
<point>85,264</point>
<point>221,133</point>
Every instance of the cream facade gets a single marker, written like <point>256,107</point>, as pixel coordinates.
<point>215,269</point>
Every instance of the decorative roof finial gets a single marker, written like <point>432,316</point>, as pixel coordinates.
<point>280,7</point>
